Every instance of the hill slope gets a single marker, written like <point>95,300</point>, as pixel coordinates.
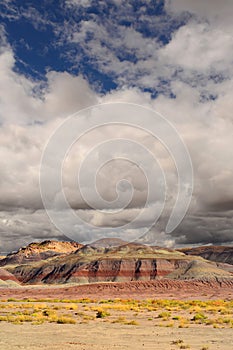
<point>39,251</point>
<point>7,279</point>
<point>128,262</point>
<point>51,262</point>
<point>222,254</point>
<point>200,270</point>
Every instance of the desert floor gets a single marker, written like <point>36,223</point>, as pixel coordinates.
<point>111,336</point>
<point>116,324</point>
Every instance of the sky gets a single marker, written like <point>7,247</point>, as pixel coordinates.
<point>172,56</point>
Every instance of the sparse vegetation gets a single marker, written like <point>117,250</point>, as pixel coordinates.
<point>184,346</point>
<point>65,319</point>
<point>199,317</point>
<point>162,313</point>
<point>177,342</point>
<point>102,314</point>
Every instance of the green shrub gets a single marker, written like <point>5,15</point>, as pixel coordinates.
<point>102,314</point>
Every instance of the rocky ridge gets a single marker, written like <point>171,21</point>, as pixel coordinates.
<point>39,251</point>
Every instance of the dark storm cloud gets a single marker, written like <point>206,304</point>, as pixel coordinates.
<point>221,206</point>
<point>205,230</point>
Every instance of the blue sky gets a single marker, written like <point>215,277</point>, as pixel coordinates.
<point>43,36</point>
<point>173,56</point>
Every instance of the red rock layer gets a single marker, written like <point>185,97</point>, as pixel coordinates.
<point>104,269</point>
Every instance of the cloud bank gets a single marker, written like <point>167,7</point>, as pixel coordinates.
<point>187,77</point>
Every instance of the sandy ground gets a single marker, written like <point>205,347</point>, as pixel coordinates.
<point>110,336</point>
<point>102,334</point>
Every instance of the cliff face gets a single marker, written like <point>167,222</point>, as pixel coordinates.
<point>39,251</point>
<point>115,270</point>
<point>99,270</point>
<point>223,254</point>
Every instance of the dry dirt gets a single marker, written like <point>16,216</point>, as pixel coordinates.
<point>102,334</point>
<point>107,336</point>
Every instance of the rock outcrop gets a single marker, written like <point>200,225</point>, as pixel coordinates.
<point>39,251</point>
<point>223,254</point>
<point>100,270</point>
<point>129,262</point>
